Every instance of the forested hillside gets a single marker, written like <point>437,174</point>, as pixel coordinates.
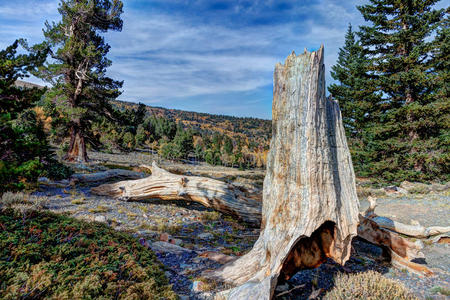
<point>256,130</point>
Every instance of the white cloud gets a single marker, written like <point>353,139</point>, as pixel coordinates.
<point>164,58</point>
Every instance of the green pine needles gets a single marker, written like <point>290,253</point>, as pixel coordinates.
<point>393,90</point>
<point>81,90</point>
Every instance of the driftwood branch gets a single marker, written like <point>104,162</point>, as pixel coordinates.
<point>209,192</point>
<point>414,230</point>
<point>401,250</point>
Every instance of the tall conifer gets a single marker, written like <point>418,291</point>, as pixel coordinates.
<point>398,41</point>
<point>81,90</point>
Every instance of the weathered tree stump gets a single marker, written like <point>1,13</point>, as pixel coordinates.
<point>310,206</point>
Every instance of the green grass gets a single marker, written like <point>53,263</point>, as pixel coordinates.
<point>49,256</point>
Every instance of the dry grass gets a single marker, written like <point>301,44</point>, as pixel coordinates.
<point>368,285</point>
<point>364,192</point>
<point>98,209</point>
<point>210,216</point>
<point>22,201</point>
<point>78,201</point>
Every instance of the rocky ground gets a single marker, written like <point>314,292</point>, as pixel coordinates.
<point>188,238</point>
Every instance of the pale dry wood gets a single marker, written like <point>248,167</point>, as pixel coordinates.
<point>417,231</point>
<point>310,207</point>
<point>113,174</point>
<point>400,249</point>
<point>414,230</point>
<point>209,192</point>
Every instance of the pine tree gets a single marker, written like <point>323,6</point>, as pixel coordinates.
<point>351,90</point>
<point>398,44</point>
<point>81,90</point>
<point>24,150</point>
<point>441,71</point>
<point>357,96</point>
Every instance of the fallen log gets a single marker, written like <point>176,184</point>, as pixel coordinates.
<point>400,249</point>
<point>209,192</point>
<point>104,176</point>
<point>414,230</point>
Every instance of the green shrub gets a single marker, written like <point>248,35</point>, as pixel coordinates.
<point>369,285</point>
<point>48,256</point>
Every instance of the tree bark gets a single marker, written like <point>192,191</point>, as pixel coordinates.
<point>310,206</point>
<point>209,192</point>
<point>77,147</point>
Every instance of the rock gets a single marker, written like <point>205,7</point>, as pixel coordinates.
<point>415,187</point>
<point>206,236</point>
<point>165,247</point>
<point>197,286</point>
<point>282,288</point>
<point>437,187</point>
<point>101,219</point>
<point>43,180</point>
<point>217,257</point>
<point>47,182</point>
<point>164,237</point>
<point>395,190</point>
<point>177,242</point>
<point>402,191</point>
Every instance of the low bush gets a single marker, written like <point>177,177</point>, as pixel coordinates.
<point>48,256</point>
<point>369,285</point>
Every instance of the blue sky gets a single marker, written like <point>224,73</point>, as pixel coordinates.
<point>202,55</point>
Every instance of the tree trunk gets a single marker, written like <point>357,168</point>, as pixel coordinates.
<point>310,206</point>
<point>77,147</point>
<point>163,185</point>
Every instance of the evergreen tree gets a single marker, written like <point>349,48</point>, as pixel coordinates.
<point>24,150</point>
<point>357,96</point>
<point>81,90</point>
<point>398,43</point>
<point>228,145</point>
<point>441,117</point>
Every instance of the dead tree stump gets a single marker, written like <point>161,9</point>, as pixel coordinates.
<point>310,206</point>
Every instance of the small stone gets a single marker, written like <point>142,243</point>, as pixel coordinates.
<point>282,288</point>
<point>43,180</point>
<point>164,237</point>
<point>101,219</point>
<point>177,242</point>
<point>197,286</point>
<point>164,247</point>
<point>205,236</point>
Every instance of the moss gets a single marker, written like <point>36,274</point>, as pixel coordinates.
<point>367,285</point>
<point>47,256</point>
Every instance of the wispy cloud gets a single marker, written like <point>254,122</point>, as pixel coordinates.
<point>213,56</point>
